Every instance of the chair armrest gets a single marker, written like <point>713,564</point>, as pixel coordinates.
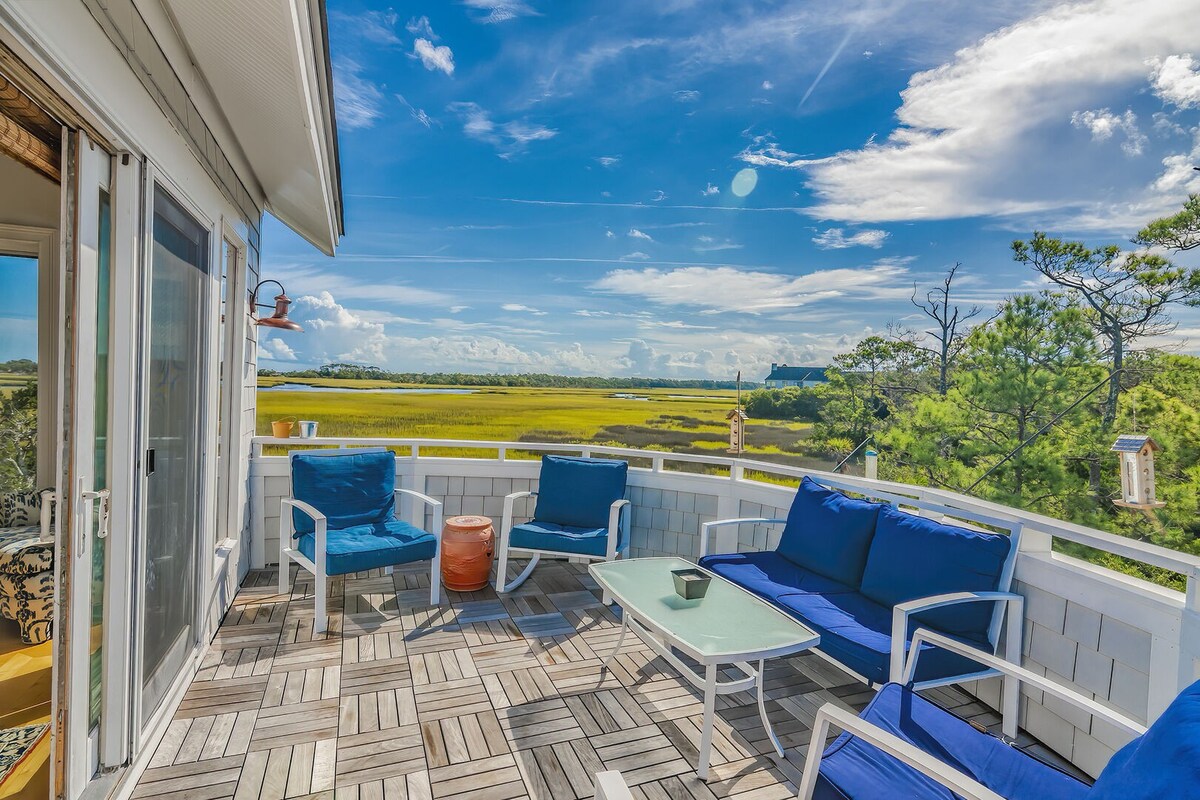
<point>902,611</point>
<point>424,498</point>
<point>49,498</point>
<point>611,786</point>
<point>720,523</point>
<point>1022,675</point>
<point>962,785</point>
<point>435,506</point>
<point>506,520</point>
<point>304,508</point>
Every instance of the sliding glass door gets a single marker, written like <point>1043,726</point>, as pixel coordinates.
<point>174,384</point>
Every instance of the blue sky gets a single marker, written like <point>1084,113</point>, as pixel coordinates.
<point>550,186</point>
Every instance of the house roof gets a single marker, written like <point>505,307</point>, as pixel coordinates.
<point>1132,443</point>
<point>267,64</point>
<point>782,372</point>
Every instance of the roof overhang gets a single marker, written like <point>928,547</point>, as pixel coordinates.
<point>266,63</point>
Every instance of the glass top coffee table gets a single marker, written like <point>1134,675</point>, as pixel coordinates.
<point>728,626</point>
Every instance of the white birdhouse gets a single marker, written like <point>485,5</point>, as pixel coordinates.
<point>737,430</point>
<point>1137,471</point>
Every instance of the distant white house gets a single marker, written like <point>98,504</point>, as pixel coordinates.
<point>782,375</point>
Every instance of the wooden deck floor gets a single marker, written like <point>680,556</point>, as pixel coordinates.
<point>481,697</point>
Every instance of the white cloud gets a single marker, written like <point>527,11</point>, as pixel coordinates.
<point>377,27</point>
<point>750,291</point>
<point>609,161</point>
<point>710,189</point>
<point>457,309</point>
<point>764,151</point>
<point>709,244</point>
<point>417,113</point>
<point>1176,80</point>
<point>981,135</point>
<point>658,196</point>
<point>767,85</point>
<point>836,239</point>
<point>501,10</point>
<point>419,26</point>
<point>509,138</point>
<point>519,308</point>
<point>275,349</point>
<point>339,333</point>
<point>359,102</point>
<point>434,57</point>
<point>313,280</point>
<point>610,235</point>
<point>1103,123</point>
<point>634,233</point>
<point>687,96</point>
<point>637,255</point>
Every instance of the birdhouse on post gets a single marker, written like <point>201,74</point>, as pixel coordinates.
<point>737,430</point>
<point>1137,471</point>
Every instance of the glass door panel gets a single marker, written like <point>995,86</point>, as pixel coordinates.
<point>100,457</point>
<point>174,384</point>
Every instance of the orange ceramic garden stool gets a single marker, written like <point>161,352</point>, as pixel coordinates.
<point>467,544</point>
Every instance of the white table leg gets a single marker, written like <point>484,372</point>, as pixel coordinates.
<point>706,732</point>
<point>762,710</point>
<point>620,640</point>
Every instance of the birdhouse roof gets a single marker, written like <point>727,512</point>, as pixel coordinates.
<point>1133,443</point>
<point>736,412</point>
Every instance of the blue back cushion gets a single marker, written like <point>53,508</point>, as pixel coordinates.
<point>350,489</point>
<point>1164,763</point>
<point>578,492</point>
<point>915,557</point>
<point>828,532</point>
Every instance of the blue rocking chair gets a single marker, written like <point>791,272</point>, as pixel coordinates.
<point>581,512</point>
<point>341,519</point>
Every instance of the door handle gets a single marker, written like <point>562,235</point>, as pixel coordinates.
<point>105,497</point>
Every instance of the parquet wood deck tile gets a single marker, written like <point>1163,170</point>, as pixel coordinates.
<point>484,697</point>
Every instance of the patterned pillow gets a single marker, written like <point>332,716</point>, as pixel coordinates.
<point>22,552</point>
<point>20,508</point>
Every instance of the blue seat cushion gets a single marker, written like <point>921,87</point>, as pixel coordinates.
<point>828,532</point>
<point>1165,762</point>
<point>363,547</point>
<point>579,492</point>
<point>769,575</point>
<point>857,632</point>
<point>854,770</point>
<point>352,488</point>
<point>914,557</point>
<point>537,535</point>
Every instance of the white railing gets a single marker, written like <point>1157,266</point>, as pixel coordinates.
<point>1127,641</point>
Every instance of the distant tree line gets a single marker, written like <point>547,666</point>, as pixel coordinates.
<point>536,380</point>
<point>19,366</point>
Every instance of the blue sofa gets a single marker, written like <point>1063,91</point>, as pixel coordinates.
<point>865,575</point>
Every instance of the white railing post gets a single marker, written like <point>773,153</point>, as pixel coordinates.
<point>872,465</point>
<point>737,472</point>
<point>1189,633</point>
<point>656,464</point>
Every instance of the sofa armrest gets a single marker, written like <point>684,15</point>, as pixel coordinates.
<point>833,715</point>
<point>706,527</point>
<point>1021,675</point>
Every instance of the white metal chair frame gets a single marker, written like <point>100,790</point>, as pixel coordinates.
<point>1006,601</point>
<point>618,515</point>
<point>954,780</point>
<point>321,522</point>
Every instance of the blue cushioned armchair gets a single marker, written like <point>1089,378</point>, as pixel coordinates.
<point>341,518</point>
<point>903,745</point>
<point>581,512</point>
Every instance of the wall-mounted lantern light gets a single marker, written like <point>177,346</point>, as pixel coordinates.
<point>280,318</point>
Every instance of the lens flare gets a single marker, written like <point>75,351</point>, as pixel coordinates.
<point>744,182</point>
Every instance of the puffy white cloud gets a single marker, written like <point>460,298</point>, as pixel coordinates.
<point>359,101</point>
<point>1001,102</point>
<point>419,26</point>
<point>272,348</point>
<point>767,85</point>
<point>634,233</point>
<point>341,334</point>
<point>521,308</point>
<point>1176,80</point>
<point>1103,123</point>
<point>710,189</point>
<point>836,239</point>
<point>636,255</point>
<point>722,289</point>
<point>434,57</point>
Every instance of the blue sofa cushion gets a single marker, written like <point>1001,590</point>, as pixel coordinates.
<point>578,492</point>
<point>857,632</point>
<point>349,489</point>
<point>854,770</point>
<point>362,547</point>
<point>828,532</point>
<point>1165,762</point>
<point>914,557</point>
<point>561,538</point>
<point>769,575</point>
